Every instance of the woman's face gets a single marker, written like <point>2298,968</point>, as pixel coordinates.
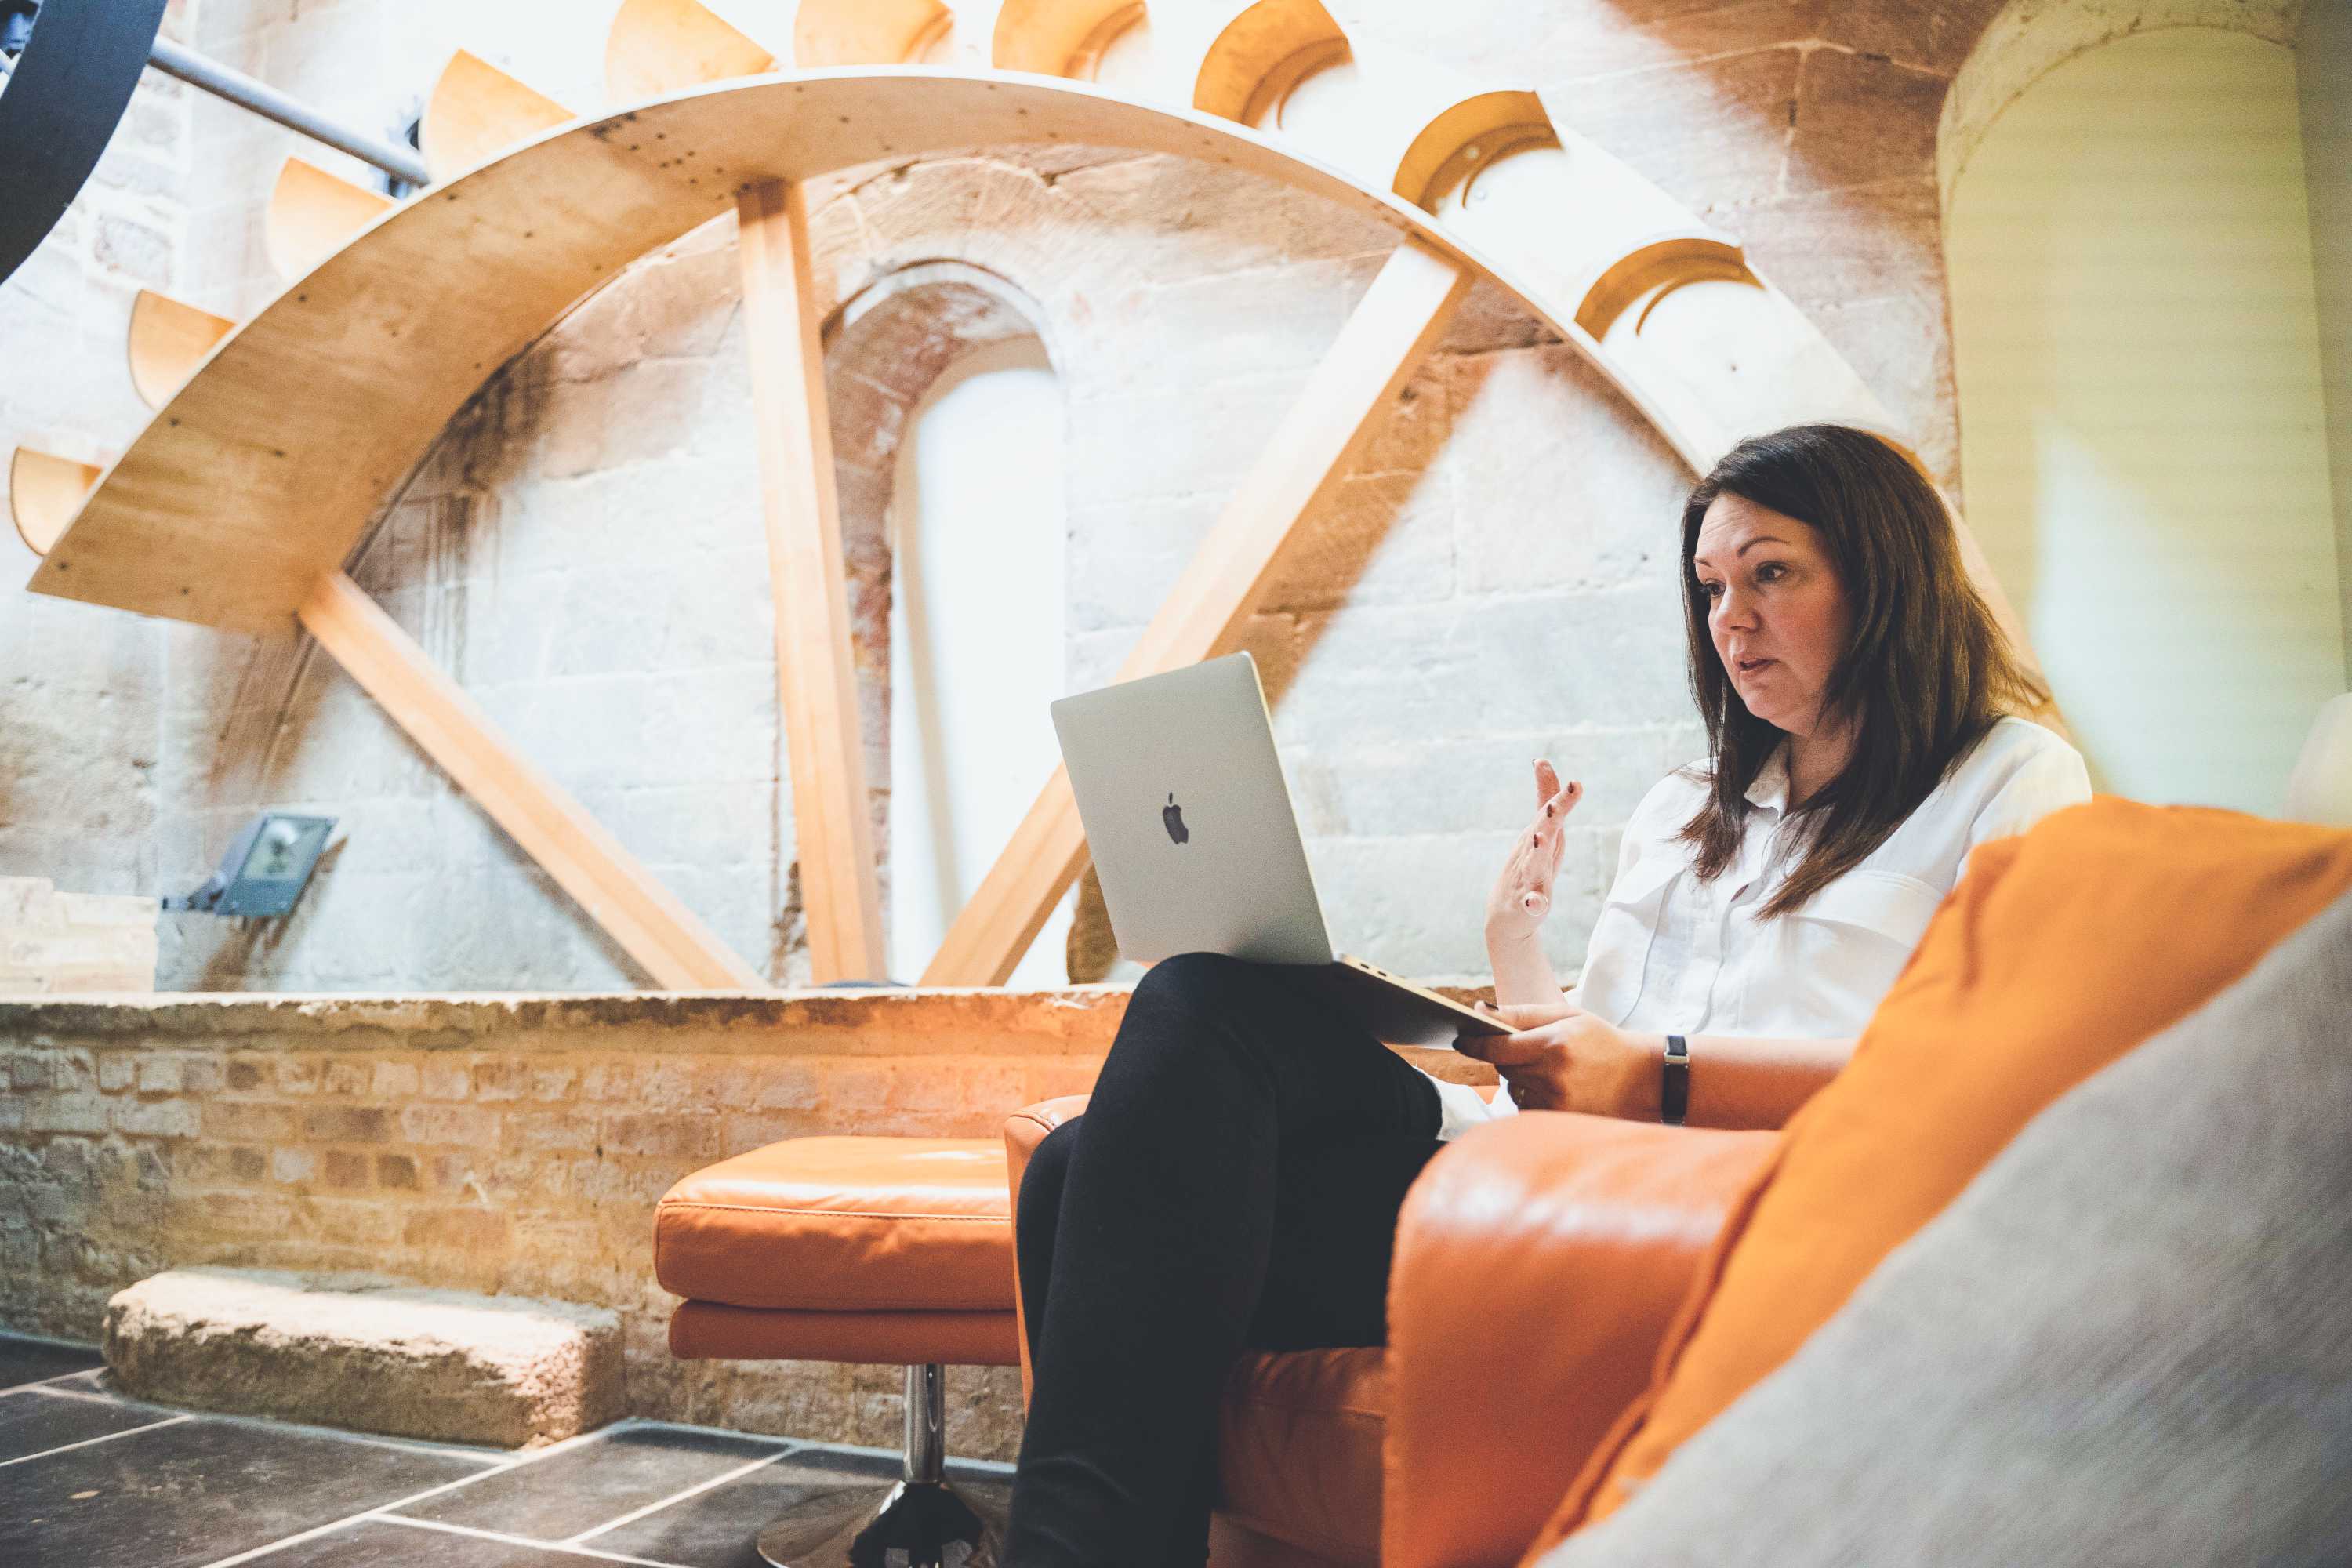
<point>1776,609</point>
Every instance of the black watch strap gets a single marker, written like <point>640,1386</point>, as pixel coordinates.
<point>1674,1091</point>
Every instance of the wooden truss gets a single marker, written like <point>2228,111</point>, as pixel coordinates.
<point>396,311</point>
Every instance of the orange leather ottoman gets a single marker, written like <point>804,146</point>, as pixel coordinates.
<point>856,1250</point>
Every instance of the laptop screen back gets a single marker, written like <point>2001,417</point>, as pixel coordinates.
<point>1188,818</point>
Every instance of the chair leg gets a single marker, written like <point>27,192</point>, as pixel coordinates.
<point>920,1521</point>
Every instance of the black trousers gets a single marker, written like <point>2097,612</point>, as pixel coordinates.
<point>1234,1184</point>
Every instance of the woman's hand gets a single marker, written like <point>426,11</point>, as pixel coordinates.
<point>1522,895</point>
<point>1561,1058</point>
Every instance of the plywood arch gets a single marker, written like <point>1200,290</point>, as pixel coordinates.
<point>391,338</point>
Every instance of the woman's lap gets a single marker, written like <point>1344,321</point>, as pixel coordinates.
<point>1234,1183</point>
<point>1261,1071</point>
<point>1335,1206</point>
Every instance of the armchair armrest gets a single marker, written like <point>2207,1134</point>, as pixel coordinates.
<point>1023,1131</point>
<point>1026,1128</point>
<point>1539,1262</point>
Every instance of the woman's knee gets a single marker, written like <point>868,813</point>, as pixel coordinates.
<point>1192,980</point>
<point>1042,1183</point>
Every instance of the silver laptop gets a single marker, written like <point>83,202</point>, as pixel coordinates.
<point>1193,838</point>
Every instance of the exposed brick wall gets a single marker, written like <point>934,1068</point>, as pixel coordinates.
<point>503,1146</point>
<point>511,1144</point>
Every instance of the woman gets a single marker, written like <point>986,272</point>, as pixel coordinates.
<point>1235,1180</point>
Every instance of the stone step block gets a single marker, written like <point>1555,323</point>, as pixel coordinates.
<point>447,1365</point>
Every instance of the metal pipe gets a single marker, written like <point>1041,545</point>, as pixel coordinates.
<point>927,1420</point>
<point>402,162</point>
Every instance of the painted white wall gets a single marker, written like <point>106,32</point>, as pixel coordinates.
<point>2322,59</point>
<point>2141,419</point>
<point>976,647</point>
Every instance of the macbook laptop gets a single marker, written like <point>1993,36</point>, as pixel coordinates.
<point>1193,838</point>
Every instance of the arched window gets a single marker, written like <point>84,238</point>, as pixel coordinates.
<point>976,644</point>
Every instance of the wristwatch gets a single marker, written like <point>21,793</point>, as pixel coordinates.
<point>1673,1090</point>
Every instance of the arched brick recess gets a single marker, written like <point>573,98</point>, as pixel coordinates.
<point>885,347</point>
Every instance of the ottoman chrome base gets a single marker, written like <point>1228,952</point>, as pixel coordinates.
<point>913,1524</point>
<point>922,1521</point>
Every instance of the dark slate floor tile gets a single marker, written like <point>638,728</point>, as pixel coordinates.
<point>558,1497</point>
<point>33,1361</point>
<point>200,1489</point>
<point>32,1422</point>
<point>717,1529</point>
<point>373,1543</point>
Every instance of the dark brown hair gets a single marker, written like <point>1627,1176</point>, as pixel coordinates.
<point>1924,674</point>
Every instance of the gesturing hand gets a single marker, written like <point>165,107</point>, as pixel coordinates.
<point>1522,895</point>
<point>1562,1057</point>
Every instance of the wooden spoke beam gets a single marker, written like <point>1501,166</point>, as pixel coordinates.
<point>816,675</point>
<point>1391,331</point>
<point>587,862</point>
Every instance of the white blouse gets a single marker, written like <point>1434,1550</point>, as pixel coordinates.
<point>1673,954</point>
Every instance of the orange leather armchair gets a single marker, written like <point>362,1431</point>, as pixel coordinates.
<point>1539,1262</point>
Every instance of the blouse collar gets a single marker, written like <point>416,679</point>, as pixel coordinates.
<point>1771,783</point>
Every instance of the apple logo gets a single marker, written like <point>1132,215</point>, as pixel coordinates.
<point>1173,815</point>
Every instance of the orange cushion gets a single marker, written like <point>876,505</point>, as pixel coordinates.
<point>709,1330</point>
<point>1298,1448</point>
<point>844,1224</point>
<point>2061,950</point>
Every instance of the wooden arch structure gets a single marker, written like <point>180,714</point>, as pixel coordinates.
<point>277,439</point>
